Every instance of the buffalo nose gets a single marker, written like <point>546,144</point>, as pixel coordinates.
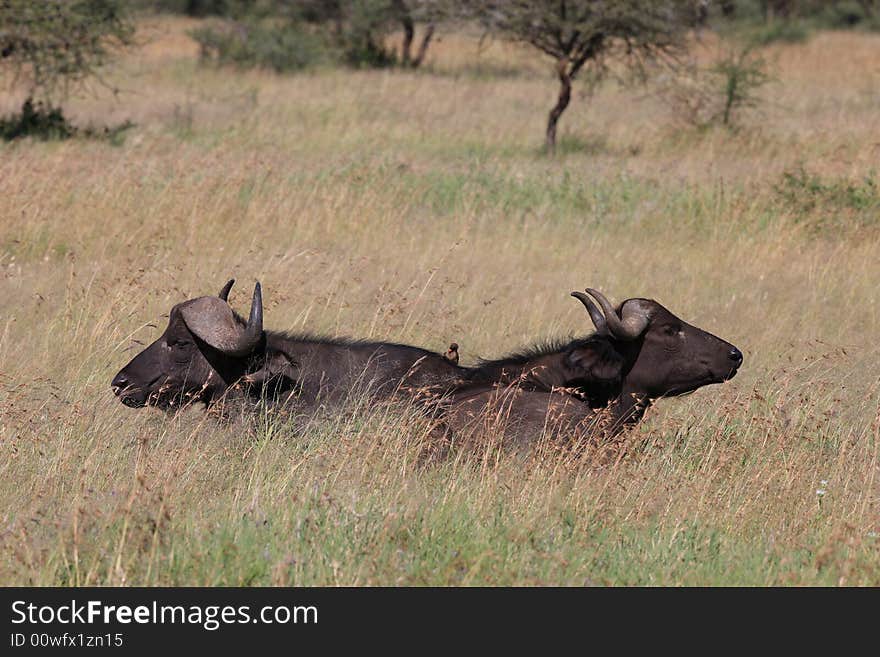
<point>119,383</point>
<point>736,355</point>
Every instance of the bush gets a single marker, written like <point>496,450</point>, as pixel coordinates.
<point>195,8</point>
<point>721,93</point>
<point>362,51</point>
<point>45,122</point>
<point>845,15</point>
<point>289,41</point>
<point>39,120</point>
<point>740,74</point>
<point>793,22</point>
<point>835,204</point>
<point>282,48</point>
<point>54,46</point>
<point>363,33</point>
<point>780,31</point>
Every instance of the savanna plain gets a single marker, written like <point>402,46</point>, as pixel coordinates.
<point>416,206</point>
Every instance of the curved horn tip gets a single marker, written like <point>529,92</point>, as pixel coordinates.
<point>632,321</point>
<point>625,328</point>
<point>596,315</point>
<point>256,316</point>
<point>224,292</point>
<point>253,331</point>
<point>602,299</point>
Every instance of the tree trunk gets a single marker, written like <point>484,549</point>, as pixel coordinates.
<point>561,103</point>
<point>423,47</point>
<point>409,32</point>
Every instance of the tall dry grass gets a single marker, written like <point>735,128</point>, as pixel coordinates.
<point>416,207</point>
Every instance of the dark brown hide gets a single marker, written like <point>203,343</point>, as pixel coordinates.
<point>639,353</point>
<point>515,418</point>
<point>208,352</point>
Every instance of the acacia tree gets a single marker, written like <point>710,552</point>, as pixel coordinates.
<point>581,33</point>
<point>53,45</point>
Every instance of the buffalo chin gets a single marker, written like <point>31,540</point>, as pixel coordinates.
<point>131,402</point>
<point>152,400</point>
<point>710,379</point>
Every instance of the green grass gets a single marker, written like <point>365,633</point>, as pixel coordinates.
<point>830,205</point>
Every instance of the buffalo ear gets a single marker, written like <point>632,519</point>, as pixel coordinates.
<point>276,366</point>
<point>596,361</point>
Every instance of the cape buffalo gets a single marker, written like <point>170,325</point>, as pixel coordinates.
<point>208,349</point>
<point>639,353</point>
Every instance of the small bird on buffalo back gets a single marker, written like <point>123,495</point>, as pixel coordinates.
<point>452,353</point>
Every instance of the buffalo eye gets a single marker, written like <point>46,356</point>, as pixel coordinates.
<point>671,330</point>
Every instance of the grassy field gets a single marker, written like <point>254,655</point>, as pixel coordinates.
<point>417,207</point>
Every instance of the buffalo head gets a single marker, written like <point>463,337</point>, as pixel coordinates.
<point>205,348</point>
<point>655,353</point>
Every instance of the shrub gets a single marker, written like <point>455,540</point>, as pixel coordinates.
<point>45,122</point>
<point>845,15</point>
<point>282,48</point>
<point>55,47</point>
<point>786,21</point>
<point>38,120</point>
<point>779,31</point>
<point>721,93</point>
<point>289,36</point>
<point>740,74</point>
<point>361,39</point>
<point>835,203</point>
<point>301,36</point>
<point>195,8</point>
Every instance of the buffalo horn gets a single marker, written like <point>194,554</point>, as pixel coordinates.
<point>212,320</point>
<point>595,313</point>
<point>630,326</point>
<point>254,330</point>
<point>224,293</point>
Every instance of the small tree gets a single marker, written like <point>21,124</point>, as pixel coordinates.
<point>364,25</point>
<point>55,45</point>
<point>722,92</point>
<point>743,73</point>
<point>410,12</point>
<point>578,33</point>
